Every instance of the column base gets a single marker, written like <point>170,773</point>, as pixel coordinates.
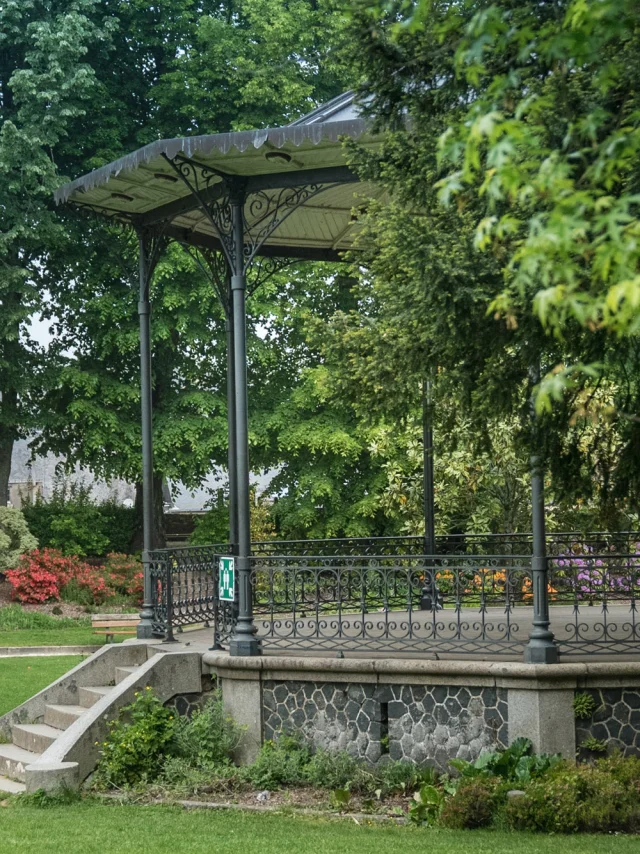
<point>144,630</point>
<point>541,652</point>
<point>245,646</point>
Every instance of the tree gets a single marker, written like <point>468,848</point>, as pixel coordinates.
<point>45,83</point>
<point>431,303</point>
<point>191,67</point>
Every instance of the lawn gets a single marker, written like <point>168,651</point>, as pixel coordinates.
<point>94,829</point>
<point>75,636</point>
<point>19,627</point>
<point>21,678</point>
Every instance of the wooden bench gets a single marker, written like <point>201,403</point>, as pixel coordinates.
<point>110,625</point>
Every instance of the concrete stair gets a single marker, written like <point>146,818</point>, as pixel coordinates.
<point>89,696</point>
<point>11,787</point>
<point>30,741</point>
<point>13,761</point>
<point>122,672</point>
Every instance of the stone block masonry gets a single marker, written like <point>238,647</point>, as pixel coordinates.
<point>616,720</point>
<point>416,723</point>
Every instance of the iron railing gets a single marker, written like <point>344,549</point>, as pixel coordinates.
<point>336,599</point>
<point>377,603</point>
<point>623,542</point>
<point>593,601</point>
<point>185,590</point>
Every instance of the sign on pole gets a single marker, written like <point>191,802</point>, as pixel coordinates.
<point>227,579</point>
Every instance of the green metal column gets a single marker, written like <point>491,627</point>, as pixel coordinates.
<point>244,641</point>
<point>145,627</point>
<point>231,422</point>
<point>427,469</point>
<point>541,648</point>
<point>429,597</point>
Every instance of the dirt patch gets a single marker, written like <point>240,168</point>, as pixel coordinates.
<point>296,798</point>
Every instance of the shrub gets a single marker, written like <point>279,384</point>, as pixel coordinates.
<point>575,799</point>
<point>517,764</point>
<point>47,575</point>
<point>72,522</point>
<point>40,576</point>
<point>333,770</point>
<point>15,538</point>
<point>123,574</point>
<point>137,744</point>
<point>213,526</point>
<point>209,737</point>
<point>280,763</point>
<point>472,804</point>
<point>404,776</point>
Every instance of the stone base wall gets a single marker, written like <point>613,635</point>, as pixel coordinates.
<point>616,721</point>
<point>187,704</point>
<point>427,712</point>
<point>417,723</point>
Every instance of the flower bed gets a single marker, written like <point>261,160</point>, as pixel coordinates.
<point>46,575</point>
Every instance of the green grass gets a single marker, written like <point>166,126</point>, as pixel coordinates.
<point>55,637</point>
<point>31,628</point>
<point>96,829</point>
<point>21,678</point>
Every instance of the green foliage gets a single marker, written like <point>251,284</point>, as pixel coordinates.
<point>431,303</point>
<point>516,764</point>
<point>594,745</point>
<point>208,737</point>
<point>554,153</point>
<point>213,526</point>
<point>15,617</point>
<point>15,538</point>
<point>72,522</point>
<point>137,743</point>
<point>582,799</point>
<point>472,804</point>
<point>279,763</point>
<point>584,706</point>
<point>40,799</point>
<point>426,804</point>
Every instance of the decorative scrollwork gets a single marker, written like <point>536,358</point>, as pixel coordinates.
<point>265,212</point>
<point>153,242</point>
<point>214,265</point>
<point>263,267</point>
<point>212,189</point>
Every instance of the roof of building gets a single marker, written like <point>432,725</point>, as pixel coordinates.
<point>157,182</point>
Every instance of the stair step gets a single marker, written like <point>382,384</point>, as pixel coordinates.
<point>11,787</point>
<point>34,737</point>
<point>62,717</point>
<point>90,696</point>
<point>123,671</point>
<point>13,761</point>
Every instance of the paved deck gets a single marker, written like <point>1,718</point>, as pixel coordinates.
<point>467,635</point>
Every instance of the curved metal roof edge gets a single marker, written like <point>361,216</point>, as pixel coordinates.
<point>315,133</point>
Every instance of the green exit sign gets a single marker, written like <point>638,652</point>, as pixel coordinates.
<point>227,579</point>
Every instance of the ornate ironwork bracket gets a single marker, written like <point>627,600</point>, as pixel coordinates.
<point>268,212</point>
<point>153,242</point>
<point>217,192</point>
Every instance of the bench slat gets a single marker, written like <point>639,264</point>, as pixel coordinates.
<point>107,624</point>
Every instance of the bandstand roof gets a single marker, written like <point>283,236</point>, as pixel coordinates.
<point>144,188</point>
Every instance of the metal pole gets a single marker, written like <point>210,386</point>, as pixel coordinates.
<point>145,626</point>
<point>231,420</point>
<point>244,641</point>
<point>429,593</point>
<point>541,648</point>
<point>427,470</point>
